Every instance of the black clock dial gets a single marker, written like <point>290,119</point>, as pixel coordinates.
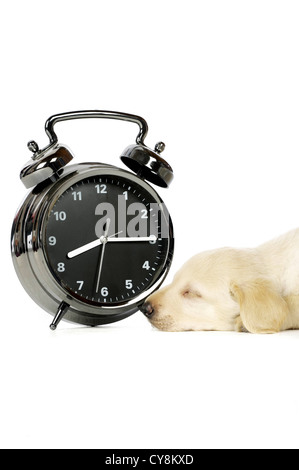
<point>104,240</point>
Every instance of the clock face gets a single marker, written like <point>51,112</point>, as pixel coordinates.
<point>106,240</point>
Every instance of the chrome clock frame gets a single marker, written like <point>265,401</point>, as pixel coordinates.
<point>30,259</point>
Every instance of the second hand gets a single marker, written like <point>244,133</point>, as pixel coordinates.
<point>104,241</point>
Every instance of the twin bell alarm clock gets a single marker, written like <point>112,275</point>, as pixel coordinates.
<point>92,241</point>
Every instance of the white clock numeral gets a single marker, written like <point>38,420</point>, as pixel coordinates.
<point>144,214</point>
<point>77,196</point>
<point>52,241</point>
<point>80,284</point>
<point>60,215</point>
<point>129,283</point>
<point>146,265</point>
<point>60,267</point>
<point>101,188</point>
<point>104,291</point>
<point>154,239</point>
<point>125,193</point>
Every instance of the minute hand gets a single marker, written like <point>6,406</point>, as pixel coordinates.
<point>151,238</point>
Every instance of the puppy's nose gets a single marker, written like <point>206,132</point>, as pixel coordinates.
<point>147,309</point>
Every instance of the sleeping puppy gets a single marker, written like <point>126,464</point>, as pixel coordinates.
<point>255,290</point>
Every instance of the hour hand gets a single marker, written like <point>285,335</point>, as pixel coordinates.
<point>83,248</point>
<point>90,246</point>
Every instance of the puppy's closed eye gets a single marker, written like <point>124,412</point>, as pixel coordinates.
<point>189,294</point>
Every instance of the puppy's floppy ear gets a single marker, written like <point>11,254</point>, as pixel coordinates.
<point>262,309</point>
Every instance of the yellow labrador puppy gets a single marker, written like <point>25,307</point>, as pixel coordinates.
<point>255,290</point>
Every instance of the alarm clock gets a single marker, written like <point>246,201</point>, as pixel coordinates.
<point>92,241</point>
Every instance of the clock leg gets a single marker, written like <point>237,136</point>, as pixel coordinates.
<point>62,309</point>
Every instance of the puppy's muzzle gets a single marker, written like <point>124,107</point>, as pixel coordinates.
<point>147,309</point>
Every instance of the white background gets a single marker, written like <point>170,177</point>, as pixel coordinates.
<point>217,81</point>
